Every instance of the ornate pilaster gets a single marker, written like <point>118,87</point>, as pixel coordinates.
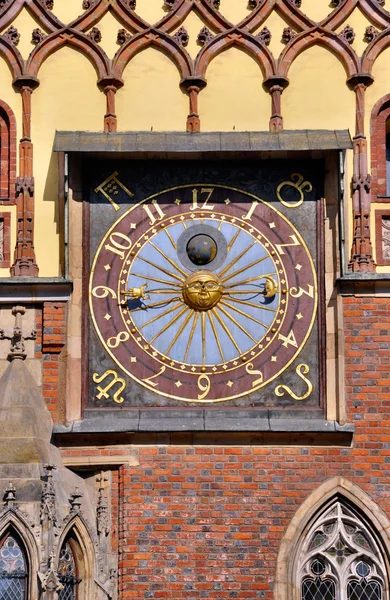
<point>361,251</point>
<point>275,86</point>
<point>24,260</point>
<point>17,337</point>
<point>110,85</point>
<point>192,86</point>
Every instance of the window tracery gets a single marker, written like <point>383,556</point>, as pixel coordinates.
<point>13,569</point>
<point>67,569</point>
<point>340,559</point>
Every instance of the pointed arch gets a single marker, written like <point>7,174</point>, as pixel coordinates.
<point>82,545</point>
<point>332,492</point>
<point>12,522</point>
<point>329,40</point>
<point>241,40</point>
<point>159,40</point>
<point>75,39</point>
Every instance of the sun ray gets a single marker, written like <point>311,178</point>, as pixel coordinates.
<point>168,325</point>
<point>179,332</point>
<point>196,317</point>
<point>216,335</point>
<point>157,317</point>
<point>260,306</point>
<point>241,312</point>
<point>150,278</point>
<point>226,330</point>
<point>252,264</point>
<point>235,260</point>
<point>237,324</point>
<point>234,238</point>
<point>161,269</point>
<point>171,262</point>
<point>170,239</point>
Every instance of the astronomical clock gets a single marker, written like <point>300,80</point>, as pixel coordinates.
<point>204,285</point>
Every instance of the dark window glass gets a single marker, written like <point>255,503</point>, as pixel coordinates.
<point>68,573</point>
<point>364,590</point>
<point>13,570</point>
<point>317,589</point>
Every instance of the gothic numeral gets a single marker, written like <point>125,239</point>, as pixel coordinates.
<point>154,383</point>
<point>289,340</point>
<point>104,391</point>
<point>205,205</point>
<point>160,214</point>
<point>294,242</point>
<point>118,246</point>
<point>298,292</point>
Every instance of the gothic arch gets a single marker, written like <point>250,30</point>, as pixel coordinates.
<point>329,40</point>
<point>78,530</point>
<point>158,40</point>
<point>335,488</point>
<point>243,41</point>
<point>12,521</point>
<point>7,153</point>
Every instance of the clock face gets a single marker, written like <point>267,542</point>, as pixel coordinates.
<point>203,293</point>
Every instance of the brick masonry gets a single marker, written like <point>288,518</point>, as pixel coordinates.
<point>207,521</point>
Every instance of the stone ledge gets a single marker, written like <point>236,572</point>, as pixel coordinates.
<point>35,289</point>
<point>174,143</point>
<point>155,421</point>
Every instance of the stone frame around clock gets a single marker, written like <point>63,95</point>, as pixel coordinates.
<point>333,358</point>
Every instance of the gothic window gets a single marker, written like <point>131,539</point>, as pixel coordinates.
<point>340,559</point>
<point>13,569</point>
<point>68,572</point>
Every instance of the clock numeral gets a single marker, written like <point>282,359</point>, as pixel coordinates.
<point>205,205</point>
<point>301,371</point>
<point>298,292</point>
<point>102,291</point>
<point>154,383</point>
<point>289,340</point>
<point>113,342</point>
<point>297,182</point>
<point>248,216</point>
<point>159,212</point>
<point>294,242</point>
<point>251,371</point>
<point>103,391</point>
<point>120,246</point>
<point>204,385</point>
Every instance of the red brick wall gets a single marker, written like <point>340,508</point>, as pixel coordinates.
<point>206,522</point>
<point>51,331</point>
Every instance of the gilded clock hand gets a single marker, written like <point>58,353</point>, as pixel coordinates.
<point>155,304</point>
<point>229,266</point>
<point>246,303</point>
<point>137,293</point>
<point>245,281</point>
<point>149,278</point>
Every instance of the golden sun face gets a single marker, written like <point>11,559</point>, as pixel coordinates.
<point>202,290</point>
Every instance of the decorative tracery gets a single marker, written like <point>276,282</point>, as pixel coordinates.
<point>341,559</point>
<point>67,570</point>
<point>13,569</point>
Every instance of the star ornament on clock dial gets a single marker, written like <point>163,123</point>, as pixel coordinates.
<point>201,300</point>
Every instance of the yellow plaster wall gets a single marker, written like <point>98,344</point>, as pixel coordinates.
<point>234,98</point>
<point>151,10</point>
<point>318,97</point>
<point>67,99</point>
<point>25,24</point>
<point>151,98</point>
<point>109,26</point>
<point>193,25</point>
<point>275,24</point>
<point>234,10</point>
<point>67,10</point>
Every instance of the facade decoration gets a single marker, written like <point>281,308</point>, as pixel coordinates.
<point>181,36</point>
<point>18,336</point>
<point>288,35</point>
<point>265,36</point>
<point>37,36</point>
<point>122,36</point>
<point>204,36</point>
<point>95,35</point>
<point>348,34</point>
<point>13,35</point>
<point>370,33</point>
